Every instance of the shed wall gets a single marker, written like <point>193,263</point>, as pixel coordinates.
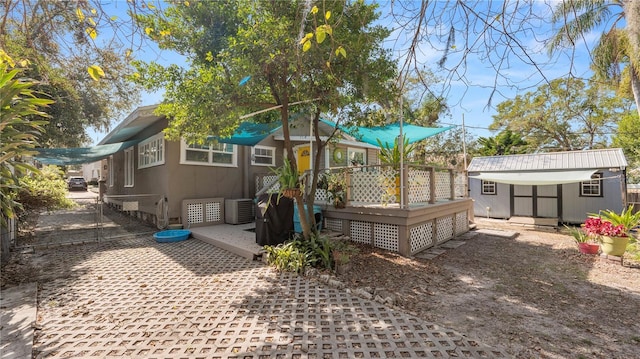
<point>576,208</point>
<point>498,204</point>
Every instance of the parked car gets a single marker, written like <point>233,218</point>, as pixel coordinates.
<point>77,183</point>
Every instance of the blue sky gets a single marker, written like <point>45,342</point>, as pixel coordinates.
<point>468,97</point>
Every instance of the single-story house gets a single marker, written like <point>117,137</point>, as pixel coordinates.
<point>174,181</point>
<point>148,168</point>
<point>566,186</point>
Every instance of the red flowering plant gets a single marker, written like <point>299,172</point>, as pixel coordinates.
<point>597,227</point>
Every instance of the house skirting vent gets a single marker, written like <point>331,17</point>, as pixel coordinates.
<point>202,212</point>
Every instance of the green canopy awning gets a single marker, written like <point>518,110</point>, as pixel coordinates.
<point>80,155</point>
<point>388,134</point>
<point>249,133</point>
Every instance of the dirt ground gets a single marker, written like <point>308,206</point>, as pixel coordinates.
<point>535,296</point>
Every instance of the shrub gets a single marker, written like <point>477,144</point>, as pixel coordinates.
<point>297,254</point>
<point>45,190</point>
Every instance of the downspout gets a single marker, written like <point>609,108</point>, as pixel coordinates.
<point>245,171</point>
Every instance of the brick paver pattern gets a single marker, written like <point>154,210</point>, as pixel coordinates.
<point>137,298</point>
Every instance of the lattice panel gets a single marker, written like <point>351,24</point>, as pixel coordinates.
<point>443,185</point>
<point>333,224</point>
<point>444,229</point>
<point>385,236</point>
<point>321,195</point>
<point>361,232</point>
<point>460,185</point>
<point>213,210</point>
<point>419,186</point>
<point>267,180</point>
<point>421,237</point>
<point>195,213</point>
<point>366,187</point>
<point>462,222</point>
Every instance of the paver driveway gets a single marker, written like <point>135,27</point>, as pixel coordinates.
<point>138,298</point>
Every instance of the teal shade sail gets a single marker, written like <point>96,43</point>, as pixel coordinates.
<point>80,155</point>
<point>249,133</point>
<point>388,134</point>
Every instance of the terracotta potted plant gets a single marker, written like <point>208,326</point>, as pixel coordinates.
<point>341,252</point>
<point>586,244</point>
<point>288,179</point>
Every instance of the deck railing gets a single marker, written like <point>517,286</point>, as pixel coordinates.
<point>380,184</point>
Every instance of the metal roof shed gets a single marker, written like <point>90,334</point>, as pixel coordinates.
<point>563,185</point>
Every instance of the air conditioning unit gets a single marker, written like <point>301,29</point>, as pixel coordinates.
<point>238,211</point>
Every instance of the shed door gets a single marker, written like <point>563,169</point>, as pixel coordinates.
<point>522,200</point>
<point>547,201</point>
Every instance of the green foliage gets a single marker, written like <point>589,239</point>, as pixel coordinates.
<point>66,43</point>
<point>287,175</point>
<point>20,107</point>
<point>45,190</point>
<point>342,251</point>
<point>617,47</point>
<point>446,149</point>
<point>297,254</point>
<point>564,115</point>
<point>391,155</point>
<point>627,137</point>
<point>627,218</point>
<point>505,143</point>
<point>287,257</point>
<point>249,55</point>
<point>335,183</point>
<point>578,234</point>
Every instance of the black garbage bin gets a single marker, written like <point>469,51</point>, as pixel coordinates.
<point>274,219</point>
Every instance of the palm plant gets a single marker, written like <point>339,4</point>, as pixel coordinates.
<point>19,131</point>
<point>617,46</point>
<point>391,155</point>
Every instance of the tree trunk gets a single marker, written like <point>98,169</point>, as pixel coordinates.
<point>284,113</point>
<point>632,17</point>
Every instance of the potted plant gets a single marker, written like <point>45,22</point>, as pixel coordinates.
<point>586,243</point>
<point>288,179</point>
<point>336,185</point>
<point>391,156</point>
<point>341,253</point>
<point>614,229</point>
<point>613,239</point>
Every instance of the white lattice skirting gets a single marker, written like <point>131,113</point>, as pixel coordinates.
<point>203,212</point>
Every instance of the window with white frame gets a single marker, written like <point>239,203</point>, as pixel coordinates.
<point>214,154</point>
<point>129,167</point>
<point>356,156</point>
<point>151,151</point>
<point>263,156</point>
<point>111,171</point>
<point>592,188</point>
<point>489,187</point>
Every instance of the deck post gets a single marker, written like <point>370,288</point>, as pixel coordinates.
<point>404,247</point>
<point>432,185</point>
<point>405,186</point>
<point>452,183</point>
